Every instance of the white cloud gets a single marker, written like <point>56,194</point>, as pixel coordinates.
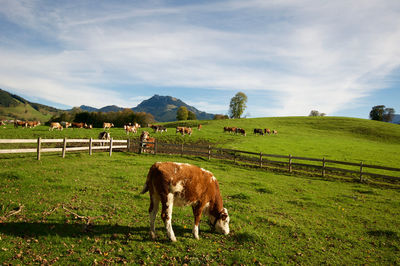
<point>309,54</point>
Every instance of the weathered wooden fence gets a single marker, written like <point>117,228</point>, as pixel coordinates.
<point>64,145</point>
<point>314,166</point>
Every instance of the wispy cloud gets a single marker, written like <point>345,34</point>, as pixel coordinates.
<point>308,54</point>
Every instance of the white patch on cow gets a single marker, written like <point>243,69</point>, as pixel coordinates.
<point>196,232</point>
<point>168,222</point>
<point>222,226</point>
<point>182,164</point>
<point>177,188</point>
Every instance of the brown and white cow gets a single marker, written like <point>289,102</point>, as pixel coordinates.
<point>19,123</point>
<point>104,136</point>
<point>147,142</point>
<point>181,185</point>
<point>55,125</point>
<point>107,125</point>
<point>78,125</point>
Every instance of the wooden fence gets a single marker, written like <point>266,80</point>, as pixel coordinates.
<point>321,167</point>
<point>92,144</point>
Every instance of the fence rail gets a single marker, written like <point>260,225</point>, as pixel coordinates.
<point>314,166</point>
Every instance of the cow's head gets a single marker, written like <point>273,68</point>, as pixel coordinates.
<point>221,223</point>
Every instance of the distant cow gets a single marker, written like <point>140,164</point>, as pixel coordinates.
<point>258,131</point>
<point>267,131</point>
<point>107,125</point>
<point>66,124</point>
<point>55,125</point>
<point>274,132</point>
<point>240,131</point>
<point>145,139</point>
<point>104,136</point>
<point>89,126</point>
<point>184,130</point>
<point>78,125</point>
<point>199,127</point>
<point>184,184</point>
<point>129,128</point>
<point>19,123</point>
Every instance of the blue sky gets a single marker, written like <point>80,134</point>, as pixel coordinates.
<point>288,56</point>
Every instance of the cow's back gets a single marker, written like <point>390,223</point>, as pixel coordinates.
<point>188,182</point>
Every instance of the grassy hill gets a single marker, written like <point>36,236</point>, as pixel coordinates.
<point>15,107</point>
<point>337,138</point>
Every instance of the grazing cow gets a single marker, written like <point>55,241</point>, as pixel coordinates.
<point>145,139</point>
<point>158,128</point>
<point>199,127</point>
<point>19,123</point>
<point>184,130</point>
<point>55,125</point>
<point>79,125</point>
<point>66,124</point>
<point>240,131</point>
<point>32,124</point>
<point>267,131</point>
<point>184,184</point>
<point>2,123</point>
<point>107,125</point>
<point>89,126</point>
<point>129,128</point>
<point>104,136</point>
<point>180,130</point>
<point>258,131</point>
<point>274,132</point>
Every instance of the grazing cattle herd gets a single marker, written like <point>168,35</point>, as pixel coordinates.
<point>134,127</point>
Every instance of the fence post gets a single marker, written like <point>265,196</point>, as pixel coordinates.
<point>155,146</point>
<point>111,146</point>
<point>361,171</point>
<point>261,159</point>
<point>323,167</point>
<point>128,144</point>
<point>64,147</point>
<point>290,163</point>
<point>39,144</point>
<point>90,146</point>
<point>209,152</point>
<point>140,146</point>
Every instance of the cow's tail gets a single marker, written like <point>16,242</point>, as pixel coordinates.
<point>145,188</point>
<point>147,184</point>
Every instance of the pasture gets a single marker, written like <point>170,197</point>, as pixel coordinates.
<point>274,218</point>
<point>87,209</point>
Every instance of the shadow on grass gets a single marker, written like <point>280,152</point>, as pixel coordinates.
<point>79,230</point>
<point>24,229</point>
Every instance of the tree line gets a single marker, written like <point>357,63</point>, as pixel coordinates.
<point>119,119</point>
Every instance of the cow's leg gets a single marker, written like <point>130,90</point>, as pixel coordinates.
<point>154,203</point>
<point>166,215</point>
<point>197,211</point>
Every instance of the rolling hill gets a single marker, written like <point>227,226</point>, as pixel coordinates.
<point>15,107</point>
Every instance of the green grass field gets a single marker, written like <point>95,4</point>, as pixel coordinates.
<point>275,218</point>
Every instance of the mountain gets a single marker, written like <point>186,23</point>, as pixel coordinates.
<point>164,108</point>
<point>105,109</point>
<point>15,107</point>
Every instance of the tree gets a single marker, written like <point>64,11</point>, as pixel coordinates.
<point>182,113</point>
<point>220,117</point>
<point>316,113</point>
<point>381,113</point>
<point>237,105</point>
<point>191,116</point>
